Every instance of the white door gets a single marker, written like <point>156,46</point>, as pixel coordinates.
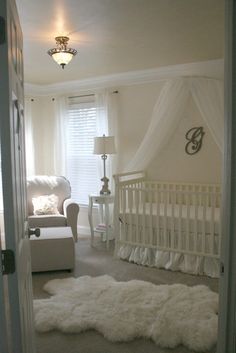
<point>227,312</point>
<point>19,288</point>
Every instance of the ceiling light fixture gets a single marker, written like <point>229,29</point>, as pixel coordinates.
<point>61,54</point>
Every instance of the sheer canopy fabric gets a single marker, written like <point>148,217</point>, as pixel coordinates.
<point>208,95</point>
<point>60,137</point>
<point>168,110</point>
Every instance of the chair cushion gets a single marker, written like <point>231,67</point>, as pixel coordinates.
<point>47,221</point>
<point>46,185</point>
<point>45,205</point>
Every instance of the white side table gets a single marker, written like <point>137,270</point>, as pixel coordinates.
<point>104,226</point>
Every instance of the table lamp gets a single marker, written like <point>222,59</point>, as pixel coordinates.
<point>104,145</point>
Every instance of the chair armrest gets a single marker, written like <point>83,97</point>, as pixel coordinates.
<point>71,211</point>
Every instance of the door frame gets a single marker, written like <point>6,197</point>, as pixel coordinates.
<point>227,303</point>
<point>227,309</point>
<point>16,291</point>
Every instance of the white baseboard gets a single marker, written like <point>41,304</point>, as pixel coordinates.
<point>85,231</point>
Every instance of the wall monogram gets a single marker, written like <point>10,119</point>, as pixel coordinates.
<point>194,137</point>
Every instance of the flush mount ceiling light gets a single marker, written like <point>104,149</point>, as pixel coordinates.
<point>61,54</point>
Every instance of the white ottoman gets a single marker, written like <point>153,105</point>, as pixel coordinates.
<point>53,250</point>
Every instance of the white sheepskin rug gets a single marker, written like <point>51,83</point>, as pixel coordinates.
<point>168,314</point>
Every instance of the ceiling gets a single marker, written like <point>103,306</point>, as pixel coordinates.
<point>114,36</point>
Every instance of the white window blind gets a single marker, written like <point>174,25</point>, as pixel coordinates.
<point>81,163</point>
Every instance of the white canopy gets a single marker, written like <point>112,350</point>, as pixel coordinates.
<point>207,94</point>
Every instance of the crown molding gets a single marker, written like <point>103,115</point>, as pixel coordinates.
<point>211,68</point>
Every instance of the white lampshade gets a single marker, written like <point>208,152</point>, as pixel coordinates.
<point>62,58</point>
<point>104,145</point>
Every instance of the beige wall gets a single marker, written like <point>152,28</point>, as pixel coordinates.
<point>135,104</point>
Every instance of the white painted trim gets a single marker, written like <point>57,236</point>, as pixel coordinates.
<point>211,68</point>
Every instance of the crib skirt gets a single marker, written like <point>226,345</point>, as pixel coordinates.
<point>192,264</point>
<point>176,259</point>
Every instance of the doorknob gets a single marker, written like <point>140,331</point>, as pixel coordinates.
<point>35,231</point>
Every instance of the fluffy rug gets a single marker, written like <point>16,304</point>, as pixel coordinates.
<point>168,314</point>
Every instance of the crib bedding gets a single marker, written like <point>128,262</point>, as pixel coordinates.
<point>172,239</point>
<point>194,219</point>
<point>166,240</point>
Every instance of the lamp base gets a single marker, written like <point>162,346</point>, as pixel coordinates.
<point>105,190</point>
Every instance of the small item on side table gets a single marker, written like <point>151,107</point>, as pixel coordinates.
<point>101,227</point>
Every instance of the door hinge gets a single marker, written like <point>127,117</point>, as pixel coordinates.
<point>8,262</point>
<point>2,30</point>
<point>222,268</point>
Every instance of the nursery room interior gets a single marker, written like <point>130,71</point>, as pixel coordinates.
<point>123,128</point>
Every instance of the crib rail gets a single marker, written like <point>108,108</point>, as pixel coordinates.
<point>132,178</point>
<point>178,217</point>
<point>182,189</point>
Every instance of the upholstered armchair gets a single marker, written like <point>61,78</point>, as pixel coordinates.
<point>59,211</point>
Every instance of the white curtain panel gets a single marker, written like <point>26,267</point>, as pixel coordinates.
<point>168,110</point>
<point>113,128</point>
<point>60,138</point>
<point>101,101</point>
<point>106,109</point>
<point>29,140</point>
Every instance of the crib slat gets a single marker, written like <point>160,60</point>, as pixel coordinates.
<point>157,197</point>
<point>124,215</point>
<point>165,235</point>
<point>143,241</point>
<point>172,217</point>
<point>187,220</point>
<point>220,230</point>
<point>180,233</point>
<point>150,217</point>
<point>212,221</point>
<point>204,210</point>
<point>130,210</point>
<point>195,205</point>
<point>116,216</point>
<point>137,216</point>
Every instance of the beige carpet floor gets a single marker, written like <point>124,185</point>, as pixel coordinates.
<point>97,261</point>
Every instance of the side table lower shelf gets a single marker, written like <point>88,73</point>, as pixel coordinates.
<point>105,227</point>
<point>101,229</point>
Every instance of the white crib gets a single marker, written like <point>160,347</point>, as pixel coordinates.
<point>175,226</point>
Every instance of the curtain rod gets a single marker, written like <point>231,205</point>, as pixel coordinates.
<point>89,95</point>
<point>83,95</point>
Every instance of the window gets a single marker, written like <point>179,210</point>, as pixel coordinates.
<point>81,163</point>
